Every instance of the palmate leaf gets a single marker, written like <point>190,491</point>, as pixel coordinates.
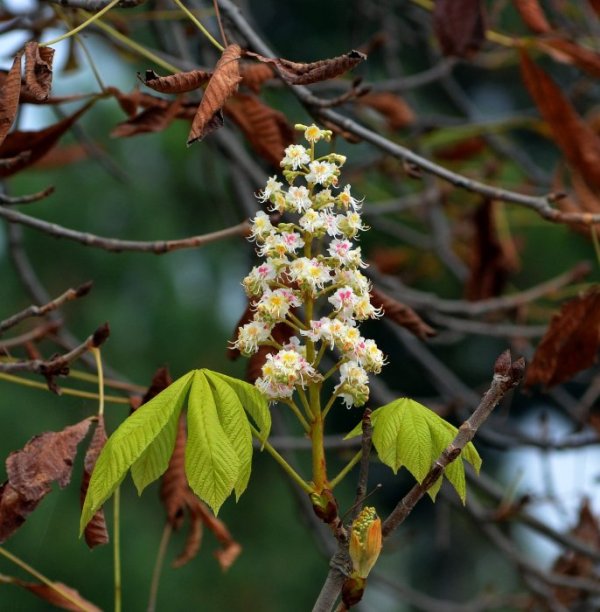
<point>407,434</point>
<point>212,465</point>
<point>129,442</point>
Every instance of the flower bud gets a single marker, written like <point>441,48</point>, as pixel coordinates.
<point>325,505</point>
<point>365,542</point>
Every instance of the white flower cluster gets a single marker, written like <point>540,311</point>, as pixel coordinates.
<point>310,261</point>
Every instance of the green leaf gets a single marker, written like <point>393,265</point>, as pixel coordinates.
<point>129,442</point>
<point>235,425</point>
<point>253,401</point>
<point>407,434</point>
<point>211,463</point>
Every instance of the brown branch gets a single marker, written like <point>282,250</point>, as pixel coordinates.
<point>40,311</point>
<point>26,199</point>
<point>159,247</point>
<point>37,333</point>
<point>57,366</point>
<point>363,474</point>
<point>95,5</point>
<point>506,376</point>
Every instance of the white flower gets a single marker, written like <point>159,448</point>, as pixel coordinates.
<point>309,273</point>
<point>299,199</point>
<point>275,305</point>
<point>251,335</point>
<point>363,309</point>
<point>321,173</point>
<point>346,201</point>
<point>295,156</point>
<point>272,186</point>
<point>261,226</point>
<point>350,224</point>
<point>353,386</point>
<point>259,278</point>
<point>343,301</point>
<point>284,370</point>
<point>353,278</point>
<point>312,221</point>
<point>279,245</point>
<point>313,134</point>
<point>339,250</point>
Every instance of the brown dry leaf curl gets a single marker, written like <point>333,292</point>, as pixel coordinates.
<point>45,459</point>
<point>222,85</point>
<point>577,140</point>
<point>396,111</point>
<point>296,73</point>
<point>38,71</point>
<point>74,601</point>
<point>459,26</point>
<point>401,314</point>
<point>533,16</point>
<point>95,532</point>
<point>9,97</point>
<point>570,343</point>
<point>181,82</point>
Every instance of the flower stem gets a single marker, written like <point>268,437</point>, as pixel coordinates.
<point>344,471</point>
<point>287,468</point>
<point>298,414</point>
<point>98,358</point>
<point>117,547</point>
<point>81,26</point>
<point>30,570</point>
<point>158,565</point>
<point>199,25</point>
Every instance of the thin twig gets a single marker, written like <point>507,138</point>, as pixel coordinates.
<point>159,247</point>
<point>363,474</point>
<point>25,199</point>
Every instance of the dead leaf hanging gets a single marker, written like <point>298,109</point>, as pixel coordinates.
<point>222,85</point>
<point>569,52</point>
<point>95,532</point>
<point>579,143</point>
<point>54,597</point>
<point>396,111</point>
<point>181,82</point>
<point>9,97</point>
<point>459,26</point>
<point>570,343</point>
<point>38,70</point>
<point>266,129</point>
<point>401,314</point>
<point>25,148</point>
<point>296,73</point>
<point>151,120</point>
<point>533,16</point>
<point>254,75</point>
<point>45,459</point>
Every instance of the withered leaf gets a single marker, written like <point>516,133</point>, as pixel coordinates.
<point>570,343</point>
<point>25,148</point>
<point>74,601</point>
<point>9,97</point>
<point>151,120</point>
<point>461,150</point>
<point>574,564</point>
<point>95,532</point>
<point>181,82</point>
<point>533,16</point>
<point>297,73</point>
<point>161,379</point>
<point>45,459</point>
<point>459,26</point>
<point>266,129</point>
<point>492,259</point>
<point>222,85</point>
<point>401,314</point>
<point>578,142</point>
<point>568,52</point>
<point>194,537</point>
<point>396,111</point>
<point>38,70</point>
<point>254,75</point>
<point>174,486</point>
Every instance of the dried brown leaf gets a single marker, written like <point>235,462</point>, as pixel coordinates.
<point>45,459</point>
<point>25,148</point>
<point>222,85</point>
<point>401,314</point>
<point>194,537</point>
<point>492,259</point>
<point>254,75</point>
<point>297,73</point>
<point>577,565</point>
<point>266,129</point>
<point>62,156</point>
<point>569,52</point>
<point>95,532</point>
<point>595,4</point>
<point>570,343</point>
<point>459,26</point>
<point>151,120</point>
<point>181,82</point>
<point>461,150</point>
<point>174,488</point>
<point>161,379</point>
<point>74,601</point>
<point>9,97</point>
<point>38,70</point>
<point>578,142</point>
<point>396,111</point>
<point>533,16</point>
